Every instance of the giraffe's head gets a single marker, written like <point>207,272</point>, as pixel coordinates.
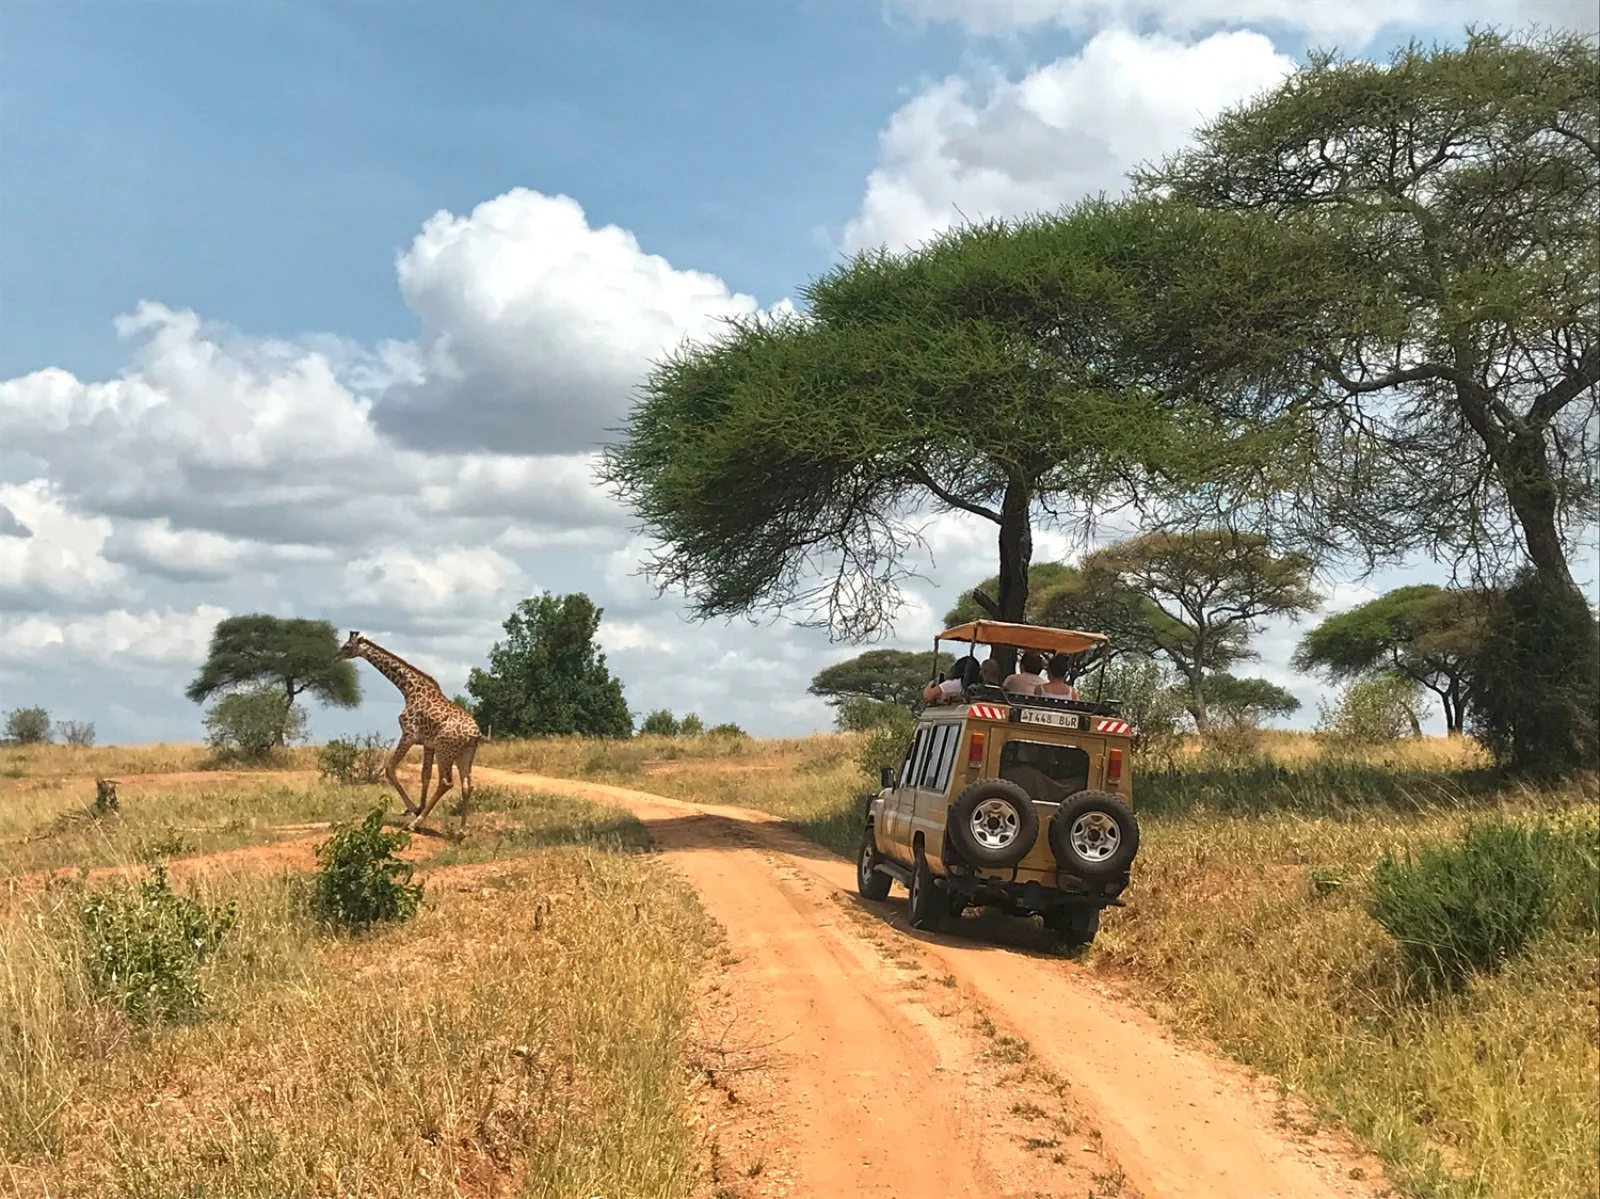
<point>353,647</point>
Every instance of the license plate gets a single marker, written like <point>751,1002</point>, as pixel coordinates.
<point>1060,720</point>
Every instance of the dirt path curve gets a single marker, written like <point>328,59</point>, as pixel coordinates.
<point>877,1091</point>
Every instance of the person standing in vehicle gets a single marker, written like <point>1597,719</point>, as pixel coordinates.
<point>1056,678</point>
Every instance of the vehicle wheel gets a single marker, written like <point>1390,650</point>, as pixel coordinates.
<point>926,903</point>
<point>993,823</point>
<point>872,883</point>
<point>1094,835</point>
<point>1076,926</point>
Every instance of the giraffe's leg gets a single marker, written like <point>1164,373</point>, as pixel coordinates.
<point>446,760</point>
<point>427,775</point>
<point>464,765</point>
<point>392,770</point>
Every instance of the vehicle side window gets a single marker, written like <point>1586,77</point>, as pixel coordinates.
<point>938,755</point>
<point>908,767</point>
<point>948,758</point>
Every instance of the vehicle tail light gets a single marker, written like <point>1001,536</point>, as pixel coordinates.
<point>1113,765</point>
<point>975,750</point>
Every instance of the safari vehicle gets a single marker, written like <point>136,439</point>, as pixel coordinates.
<point>1024,803</point>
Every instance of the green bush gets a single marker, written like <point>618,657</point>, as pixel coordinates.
<point>27,726</point>
<point>355,760</point>
<point>1534,684</point>
<point>862,714</point>
<point>1373,711</point>
<point>144,945</point>
<point>249,727</point>
<point>729,730</point>
<point>691,726</point>
<point>1470,906</point>
<point>660,723</point>
<point>885,744</point>
<point>359,881</point>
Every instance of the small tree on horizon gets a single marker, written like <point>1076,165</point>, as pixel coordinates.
<point>548,677</point>
<point>887,676</point>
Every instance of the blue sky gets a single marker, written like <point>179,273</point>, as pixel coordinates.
<point>318,307</point>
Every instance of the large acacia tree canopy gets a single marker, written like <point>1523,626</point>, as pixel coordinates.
<point>1406,268</point>
<point>296,656</point>
<point>996,371</point>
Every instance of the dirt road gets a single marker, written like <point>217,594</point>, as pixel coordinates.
<point>857,1057</point>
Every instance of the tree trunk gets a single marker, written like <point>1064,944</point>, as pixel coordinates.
<point>1524,469</point>
<point>290,690</point>
<point>1416,725</point>
<point>1016,555</point>
<point>1452,709</point>
<point>1197,699</point>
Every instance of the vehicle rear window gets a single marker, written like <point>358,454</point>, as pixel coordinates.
<point>1047,772</point>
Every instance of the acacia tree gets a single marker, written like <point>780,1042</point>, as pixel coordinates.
<point>981,374</point>
<point>1404,268</point>
<point>296,656</point>
<point>1423,633</point>
<point>1245,703</point>
<point>1196,598</point>
<point>885,676</point>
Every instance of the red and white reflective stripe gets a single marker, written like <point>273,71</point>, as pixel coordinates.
<point>986,712</point>
<point>1112,726</point>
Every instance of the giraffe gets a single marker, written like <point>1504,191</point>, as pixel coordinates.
<point>443,729</point>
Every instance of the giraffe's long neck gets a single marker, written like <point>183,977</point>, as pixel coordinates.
<point>398,671</point>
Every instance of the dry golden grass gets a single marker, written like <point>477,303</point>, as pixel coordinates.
<point>525,1035</point>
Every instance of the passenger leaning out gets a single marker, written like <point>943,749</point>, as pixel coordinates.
<point>964,673</point>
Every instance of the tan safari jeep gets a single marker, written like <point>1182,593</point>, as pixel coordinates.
<point>1024,803</point>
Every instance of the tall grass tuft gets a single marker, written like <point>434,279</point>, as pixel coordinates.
<point>1468,907</point>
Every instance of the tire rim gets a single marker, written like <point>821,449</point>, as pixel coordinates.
<point>995,824</point>
<point>864,865</point>
<point>1095,836</point>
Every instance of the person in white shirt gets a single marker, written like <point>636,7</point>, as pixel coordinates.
<point>1056,678</point>
<point>964,673</point>
<point>1029,679</point>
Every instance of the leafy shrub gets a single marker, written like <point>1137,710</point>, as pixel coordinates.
<point>169,843</point>
<point>1534,685</point>
<point>885,745</point>
<point>1149,703</point>
<point>355,760</point>
<point>1456,909</point>
<point>691,726</point>
<point>144,946</point>
<point>251,726</point>
<point>27,726</point>
<point>862,714</point>
<point>76,732</point>
<point>729,730</point>
<point>660,723</point>
<point>1372,711</point>
<point>359,881</point>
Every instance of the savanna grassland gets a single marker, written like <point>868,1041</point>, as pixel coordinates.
<point>527,1033</point>
<point>1247,926</point>
<point>530,1031</point>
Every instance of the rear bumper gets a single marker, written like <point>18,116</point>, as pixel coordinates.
<point>1031,895</point>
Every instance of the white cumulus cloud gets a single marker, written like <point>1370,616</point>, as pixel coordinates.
<point>1000,147</point>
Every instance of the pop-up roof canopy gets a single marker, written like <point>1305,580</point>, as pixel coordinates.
<point>1023,636</point>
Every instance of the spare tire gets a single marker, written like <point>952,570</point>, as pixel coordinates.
<point>993,823</point>
<point>1094,835</point>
